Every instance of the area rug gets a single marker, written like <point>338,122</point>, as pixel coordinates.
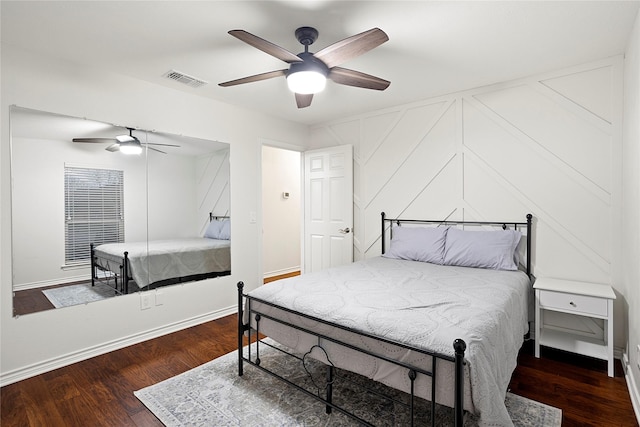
<point>214,395</point>
<point>78,294</point>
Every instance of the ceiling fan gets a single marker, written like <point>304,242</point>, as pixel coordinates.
<point>308,71</point>
<point>127,144</point>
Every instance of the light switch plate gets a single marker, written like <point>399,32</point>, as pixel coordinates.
<point>145,300</point>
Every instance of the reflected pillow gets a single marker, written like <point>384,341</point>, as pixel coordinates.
<point>424,244</point>
<point>220,230</point>
<point>483,249</point>
<point>225,231</point>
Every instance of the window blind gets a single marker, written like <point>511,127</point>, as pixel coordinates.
<point>94,211</point>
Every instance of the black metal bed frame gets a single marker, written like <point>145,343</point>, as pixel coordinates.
<point>125,270</point>
<point>459,345</point>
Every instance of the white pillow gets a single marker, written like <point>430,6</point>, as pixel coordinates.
<point>220,230</point>
<point>424,244</point>
<point>483,249</point>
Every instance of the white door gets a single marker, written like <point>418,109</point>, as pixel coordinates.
<point>328,208</point>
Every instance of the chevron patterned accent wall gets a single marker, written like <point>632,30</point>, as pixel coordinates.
<point>548,145</point>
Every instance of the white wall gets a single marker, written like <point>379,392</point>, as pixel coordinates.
<point>549,145</point>
<point>631,212</point>
<point>281,217</point>
<point>76,90</point>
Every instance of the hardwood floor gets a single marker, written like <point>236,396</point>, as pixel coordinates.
<point>99,391</point>
<point>33,300</point>
<point>576,384</point>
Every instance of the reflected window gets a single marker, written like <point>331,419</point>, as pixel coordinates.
<point>94,210</point>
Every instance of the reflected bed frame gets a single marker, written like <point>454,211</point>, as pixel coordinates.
<point>124,271</point>
<point>253,357</point>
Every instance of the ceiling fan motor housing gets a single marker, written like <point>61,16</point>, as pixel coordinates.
<point>306,35</point>
<point>309,63</point>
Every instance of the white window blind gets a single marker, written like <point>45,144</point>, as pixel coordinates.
<point>94,211</point>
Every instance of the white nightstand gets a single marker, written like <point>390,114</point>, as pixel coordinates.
<point>575,317</point>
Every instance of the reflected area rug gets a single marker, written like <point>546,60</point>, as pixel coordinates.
<point>214,395</point>
<point>78,294</point>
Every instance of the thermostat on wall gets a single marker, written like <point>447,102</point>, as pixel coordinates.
<point>285,194</point>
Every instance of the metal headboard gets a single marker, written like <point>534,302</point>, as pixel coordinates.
<point>213,217</point>
<point>504,225</point>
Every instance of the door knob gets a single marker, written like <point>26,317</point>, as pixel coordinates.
<point>345,230</point>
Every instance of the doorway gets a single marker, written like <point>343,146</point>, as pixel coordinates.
<point>281,212</point>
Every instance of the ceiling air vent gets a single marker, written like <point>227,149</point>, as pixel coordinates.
<point>185,78</point>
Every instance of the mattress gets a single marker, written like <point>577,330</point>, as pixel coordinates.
<point>418,304</point>
<point>157,260</point>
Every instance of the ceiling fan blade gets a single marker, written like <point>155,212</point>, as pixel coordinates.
<point>113,147</point>
<point>303,101</point>
<point>344,76</point>
<point>351,47</point>
<point>95,140</point>
<point>254,78</point>
<point>155,149</point>
<point>265,46</point>
<point>157,143</point>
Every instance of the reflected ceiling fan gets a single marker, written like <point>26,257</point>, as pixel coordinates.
<point>127,144</point>
<point>308,71</point>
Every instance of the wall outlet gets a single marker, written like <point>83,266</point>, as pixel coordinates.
<point>145,300</point>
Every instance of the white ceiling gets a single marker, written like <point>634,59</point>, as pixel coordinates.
<point>434,47</point>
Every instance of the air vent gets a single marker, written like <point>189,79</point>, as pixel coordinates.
<point>185,78</point>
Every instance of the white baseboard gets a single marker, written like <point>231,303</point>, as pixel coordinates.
<point>53,282</point>
<point>632,385</point>
<point>20,374</point>
<point>280,272</point>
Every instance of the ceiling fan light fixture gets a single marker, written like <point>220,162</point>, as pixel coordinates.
<point>130,147</point>
<point>306,82</point>
<point>307,77</point>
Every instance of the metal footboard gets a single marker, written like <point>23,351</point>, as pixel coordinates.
<point>412,371</point>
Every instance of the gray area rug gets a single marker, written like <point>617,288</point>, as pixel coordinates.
<point>214,395</point>
<point>78,294</point>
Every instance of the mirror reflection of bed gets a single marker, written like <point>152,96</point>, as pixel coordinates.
<point>171,192</point>
<point>139,266</point>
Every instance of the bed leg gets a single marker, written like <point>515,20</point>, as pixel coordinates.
<point>93,265</point>
<point>125,274</point>
<point>240,328</point>
<point>412,377</point>
<point>459,347</point>
<point>330,369</point>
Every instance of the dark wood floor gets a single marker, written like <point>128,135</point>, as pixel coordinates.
<point>99,391</point>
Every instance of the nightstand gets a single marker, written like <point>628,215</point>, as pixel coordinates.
<point>576,317</point>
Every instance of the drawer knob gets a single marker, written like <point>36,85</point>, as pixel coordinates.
<point>572,304</point>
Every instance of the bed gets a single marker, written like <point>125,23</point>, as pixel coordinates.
<point>442,312</point>
<point>132,266</point>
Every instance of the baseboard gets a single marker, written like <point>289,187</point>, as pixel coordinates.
<point>280,272</point>
<point>53,282</point>
<point>632,385</point>
<point>20,374</point>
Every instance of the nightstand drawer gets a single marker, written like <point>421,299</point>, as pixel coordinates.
<point>574,303</point>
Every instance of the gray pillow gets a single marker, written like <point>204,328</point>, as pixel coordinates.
<point>220,230</point>
<point>424,244</point>
<point>483,249</point>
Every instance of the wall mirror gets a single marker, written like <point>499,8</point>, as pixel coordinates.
<point>91,222</point>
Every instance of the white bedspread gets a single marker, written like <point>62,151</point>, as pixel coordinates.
<point>167,259</point>
<point>426,306</point>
